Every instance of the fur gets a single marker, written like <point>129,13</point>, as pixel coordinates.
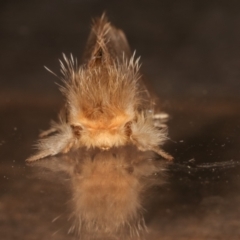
<point>106,103</point>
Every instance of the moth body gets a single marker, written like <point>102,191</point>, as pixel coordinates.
<point>107,104</point>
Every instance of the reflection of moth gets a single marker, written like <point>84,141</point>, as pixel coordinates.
<point>110,189</point>
<point>106,103</point>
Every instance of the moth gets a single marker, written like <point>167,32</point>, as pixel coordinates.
<point>107,104</point>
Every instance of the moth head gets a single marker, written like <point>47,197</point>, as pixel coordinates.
<point>103,97</point>
<point>103,133</point>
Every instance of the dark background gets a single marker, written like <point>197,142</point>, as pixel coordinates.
<point>187,47</point>
<point>191,57</point>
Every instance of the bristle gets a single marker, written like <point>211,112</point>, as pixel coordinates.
<point>107,104</point>
<point>113,88</point>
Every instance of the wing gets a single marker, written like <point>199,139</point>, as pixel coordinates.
<point>106,42</point>
<point>108,45</point>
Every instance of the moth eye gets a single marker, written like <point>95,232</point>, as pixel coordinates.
<point>128,129</point>
<point>76,130</point>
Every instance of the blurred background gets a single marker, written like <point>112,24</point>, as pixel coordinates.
<point>191,57</point>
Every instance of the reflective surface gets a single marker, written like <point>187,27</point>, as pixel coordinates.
<point>110,190</point>
<point>190,53</point>
<point>200,198</point>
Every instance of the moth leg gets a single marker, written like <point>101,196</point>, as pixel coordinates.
<point>159,120</point>
<point>148,137</point>
<point>163,154</point>
<point>54,149</point>
<point>61,142</point>
<point>154,148</point>
<point>39,156</point>
<point>47,132</point>
<point>163,117</point>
